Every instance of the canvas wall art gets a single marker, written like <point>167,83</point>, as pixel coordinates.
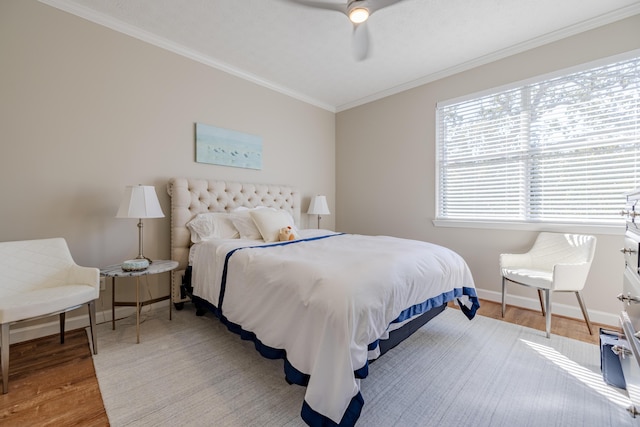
<point>227,147</point>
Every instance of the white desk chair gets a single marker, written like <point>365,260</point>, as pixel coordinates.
<point>39,278</point>
<point>557,262</point>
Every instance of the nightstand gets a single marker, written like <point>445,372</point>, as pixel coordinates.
<point>156,267</point>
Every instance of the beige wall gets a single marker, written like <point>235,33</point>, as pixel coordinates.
<point>386,158</point>
<point>85,110</point>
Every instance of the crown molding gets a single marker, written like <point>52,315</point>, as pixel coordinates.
<point>151,38</point>
<point>563,33</point>
<point>161,42</point>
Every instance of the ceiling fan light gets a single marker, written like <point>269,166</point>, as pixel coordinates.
<point>358,15</point>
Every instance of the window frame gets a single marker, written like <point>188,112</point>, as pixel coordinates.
<point>514,224</point>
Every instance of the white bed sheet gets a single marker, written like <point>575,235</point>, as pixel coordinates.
<point>324,300</point>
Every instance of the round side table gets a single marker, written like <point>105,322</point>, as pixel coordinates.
<point>156,267</point>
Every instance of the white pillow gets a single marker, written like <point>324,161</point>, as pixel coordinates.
<point>269,222</point>
<point>246,227</point>
<point>212,225</point>
<point>244,224</point>
<point>246,209</point>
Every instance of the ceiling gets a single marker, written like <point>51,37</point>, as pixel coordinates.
<point>306,53</point>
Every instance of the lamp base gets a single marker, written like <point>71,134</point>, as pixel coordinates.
<point>142,257</point>
<point>140,240</point>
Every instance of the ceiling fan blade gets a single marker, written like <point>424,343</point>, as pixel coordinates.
<point>320,5</point>
<point>375,5</point>
<point>360,41</point>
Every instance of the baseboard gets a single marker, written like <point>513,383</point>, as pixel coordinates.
<point>20,332</point>
<point>574,312</point>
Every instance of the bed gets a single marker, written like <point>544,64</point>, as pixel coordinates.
<point>327,303</point>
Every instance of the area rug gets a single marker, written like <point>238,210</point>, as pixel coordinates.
<point>192,371</point>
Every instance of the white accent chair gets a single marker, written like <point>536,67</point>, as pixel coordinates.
<point>557,262</point>
<point>39,278</point>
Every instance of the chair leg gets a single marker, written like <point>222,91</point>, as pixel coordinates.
<point>62,319</point>
<point>4,357</point>
<point>584,312</point>
<point>504,295</point>
<point>544,312</point>
<point>547,300</point>
<point>92,325</point>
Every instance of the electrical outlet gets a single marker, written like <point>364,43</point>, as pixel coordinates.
<point>103,285</point>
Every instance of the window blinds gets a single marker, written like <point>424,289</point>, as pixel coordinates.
<point>565,149</point>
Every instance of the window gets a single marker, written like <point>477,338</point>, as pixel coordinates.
<point>559,150</point>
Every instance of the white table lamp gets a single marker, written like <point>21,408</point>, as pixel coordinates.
<point>140,201</point>
<point>318,206</point>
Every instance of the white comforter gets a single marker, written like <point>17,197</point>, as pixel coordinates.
<point>324,300</point>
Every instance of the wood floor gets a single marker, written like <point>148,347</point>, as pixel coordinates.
<point>563,326</point>
<point>52,384</point>
<point>55,385</point>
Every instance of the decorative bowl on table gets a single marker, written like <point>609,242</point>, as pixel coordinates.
<point>135,265</point>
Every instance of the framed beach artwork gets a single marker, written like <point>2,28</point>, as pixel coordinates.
<point>227,147</point>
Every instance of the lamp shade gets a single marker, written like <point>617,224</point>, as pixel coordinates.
<point>140,201</point>
<point>318,206</point>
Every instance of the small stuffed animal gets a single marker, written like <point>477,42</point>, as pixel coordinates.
<point>286,234</point>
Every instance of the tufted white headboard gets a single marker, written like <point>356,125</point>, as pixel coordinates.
<point>190,197</point>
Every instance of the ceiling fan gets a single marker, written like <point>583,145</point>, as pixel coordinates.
<point>358,12</point>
